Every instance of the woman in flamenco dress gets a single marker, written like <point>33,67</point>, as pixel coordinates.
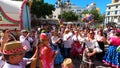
<point>46,54</point>
<point>112,56</point>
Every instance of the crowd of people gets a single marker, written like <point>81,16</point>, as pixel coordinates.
<point>57,45</point>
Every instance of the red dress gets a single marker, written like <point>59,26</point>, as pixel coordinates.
<point>46,56</point>
<point>76,48</point>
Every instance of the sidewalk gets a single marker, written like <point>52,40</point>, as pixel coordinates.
<point>77,62</point>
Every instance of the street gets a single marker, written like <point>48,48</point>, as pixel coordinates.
<point>77,63</point>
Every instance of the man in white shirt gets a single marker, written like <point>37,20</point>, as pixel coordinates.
<point>67,41</point>
<point>26,40</point>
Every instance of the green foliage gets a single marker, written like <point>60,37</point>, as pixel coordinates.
<point>41,9</point>
<point>68,16</point>
<point>85,12</point>
<point>96,14</point>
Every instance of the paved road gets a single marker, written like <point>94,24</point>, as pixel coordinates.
<point>77,63</point>
<point>98,64</point>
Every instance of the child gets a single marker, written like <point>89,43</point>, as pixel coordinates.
<point>67,63</point>
<point>13,53</point>
<point>46,54</point>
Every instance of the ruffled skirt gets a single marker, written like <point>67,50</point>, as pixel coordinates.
<point>112,57</point>
<point>59,58</point>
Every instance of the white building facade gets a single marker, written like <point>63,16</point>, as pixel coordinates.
<point>113,12</point>
<point>76,9</point>
<point>59,11</point>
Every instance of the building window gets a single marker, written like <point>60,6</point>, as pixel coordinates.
<point>73,10</point>
<point>78,10</point>
<point>0,18</point>
<point>54,16</point>
<point>108,13</point>
<point>116,6</point>
<point>116,12</point>
<point>108,18</point>
<point>109,7</point>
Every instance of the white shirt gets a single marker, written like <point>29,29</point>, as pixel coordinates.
<point>54,39</point>
<point>25,42</point>
<point>22,64</point>
<point>67,43</point>
<point>1,62</point>
<point>92,45</point>
<point>80,39</point>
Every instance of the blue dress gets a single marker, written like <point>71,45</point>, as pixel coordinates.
<point>112,57</point>
<point>59,58</point>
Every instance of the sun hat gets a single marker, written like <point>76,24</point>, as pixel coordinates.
<point>13,47</point>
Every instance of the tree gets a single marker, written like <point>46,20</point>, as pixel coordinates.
<point>68,16</point>
<point>102,17</point>
<point>41,9</point>
<point>96,14</point>
<point>98,17</point>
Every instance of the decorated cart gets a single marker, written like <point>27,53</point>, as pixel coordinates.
<point>14,15</point>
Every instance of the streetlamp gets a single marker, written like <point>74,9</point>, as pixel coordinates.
<point>63,5</point>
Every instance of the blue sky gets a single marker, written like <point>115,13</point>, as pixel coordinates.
<point>99,3</point>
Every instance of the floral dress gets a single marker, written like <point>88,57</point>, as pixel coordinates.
<point>77,48</point>
<point>46,56</point>
<point>112,56</point>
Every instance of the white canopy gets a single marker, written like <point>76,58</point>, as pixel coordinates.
<point>11,8</point>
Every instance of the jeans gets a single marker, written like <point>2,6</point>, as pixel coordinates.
<point>67,52</point>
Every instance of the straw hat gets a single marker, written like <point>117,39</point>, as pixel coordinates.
<point>22,31</point>
<point>13,47</point>
<point>67,62</point>
<point>1,34</point>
